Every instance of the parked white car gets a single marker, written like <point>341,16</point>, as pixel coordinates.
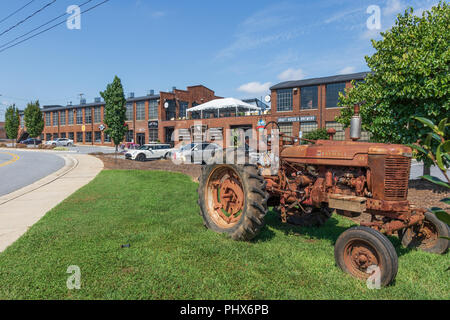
<point>60,142</point>
<point>150,152</point>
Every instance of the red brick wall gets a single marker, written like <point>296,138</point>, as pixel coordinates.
<point>2,130</point>
<point>322,114</point>
<point>65,128</point>
<point>200,94</point>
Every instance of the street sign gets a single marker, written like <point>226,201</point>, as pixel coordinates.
<point>153,124</point>
<point>261,124</point>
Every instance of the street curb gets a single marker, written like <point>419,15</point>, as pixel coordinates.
<point>21,209</point>
<point>70,164</point>
<point>37,150</point>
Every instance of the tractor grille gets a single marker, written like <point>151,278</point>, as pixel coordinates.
<point>396,178</point>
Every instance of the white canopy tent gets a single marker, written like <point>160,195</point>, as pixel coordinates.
<point>220,104</point>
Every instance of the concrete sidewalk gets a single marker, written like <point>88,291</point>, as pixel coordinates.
<point>21,209</point>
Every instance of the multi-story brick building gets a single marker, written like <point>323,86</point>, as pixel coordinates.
<point>84,123</point>
<point>2,131</point>
<point>302,105</point>
<point>306,105</point>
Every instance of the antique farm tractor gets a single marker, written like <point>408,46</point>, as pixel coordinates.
<point>317,179</point>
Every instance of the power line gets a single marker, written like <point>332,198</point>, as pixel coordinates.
<point>29,17</point>
<point>18,10</point>
<point>39,27</point>
<point>52,27</point>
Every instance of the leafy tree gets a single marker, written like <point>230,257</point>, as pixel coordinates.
<point>12,122</point>
<point>409,77</point>
<point>319,134</point>
<point>436,147</point>
<point>115,111</point>
<point>34,119</point>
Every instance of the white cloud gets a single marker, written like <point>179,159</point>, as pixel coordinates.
<point>347,70</point>
<point>393,7</point>
<point>255,87</point>
<point>343,15</point>
<point>271,25</point>
<point>291,74</point>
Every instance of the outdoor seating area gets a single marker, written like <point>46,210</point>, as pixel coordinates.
<point>224,108</point>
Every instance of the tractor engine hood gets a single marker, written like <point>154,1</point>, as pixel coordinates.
<point>346,153</point>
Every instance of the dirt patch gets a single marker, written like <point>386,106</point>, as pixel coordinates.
<point>427,195</point>
<point>110,163</point>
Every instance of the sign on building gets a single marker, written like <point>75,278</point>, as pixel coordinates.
<point>297,119</point>
<point>153,124</point>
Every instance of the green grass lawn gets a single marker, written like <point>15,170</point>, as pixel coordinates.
<point>172,256</point>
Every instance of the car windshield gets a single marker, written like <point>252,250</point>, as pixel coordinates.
<point>187,147</point>
<point>143,148</point>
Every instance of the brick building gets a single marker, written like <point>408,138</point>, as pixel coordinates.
<point>2,131</point>
<point>306,105</point>
<point>83,123</point>
<point>302,105</point>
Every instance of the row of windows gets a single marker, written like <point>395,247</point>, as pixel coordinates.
<point>140,110</point>
<point>309,97</point>
<point>183,107</point>
<point>305,127</point>
<point>79,117</point>
<point>79,135</point>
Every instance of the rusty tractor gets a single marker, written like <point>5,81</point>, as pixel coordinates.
<point>314,181</point>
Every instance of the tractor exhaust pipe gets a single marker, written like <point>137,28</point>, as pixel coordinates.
<point>355,125</point>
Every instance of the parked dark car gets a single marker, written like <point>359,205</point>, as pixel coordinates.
<point>31,141</point>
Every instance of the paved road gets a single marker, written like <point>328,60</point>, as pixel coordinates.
<point>82,149</point>
<point>21,168</point>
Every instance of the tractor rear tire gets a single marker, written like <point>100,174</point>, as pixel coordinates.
<point>233,200</point>
<point>359,248</point>
<point>431,241</point>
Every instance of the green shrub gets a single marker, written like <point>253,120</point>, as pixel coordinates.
<point>319,134</point>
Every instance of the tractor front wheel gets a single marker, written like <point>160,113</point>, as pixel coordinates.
<point>233,200</point>
<point>364,252</point>
<point>427,236</point>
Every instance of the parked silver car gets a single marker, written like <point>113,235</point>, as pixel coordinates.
<point>198,153</point>
<point>60,142</point>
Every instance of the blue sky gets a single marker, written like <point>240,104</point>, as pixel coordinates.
<point>237,48</point>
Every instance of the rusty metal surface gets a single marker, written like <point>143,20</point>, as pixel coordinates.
<point>225,196</point>
<point>358,256</point>
<point>348,176</point>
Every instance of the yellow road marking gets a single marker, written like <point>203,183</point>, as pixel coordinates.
<point>15,157</point>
